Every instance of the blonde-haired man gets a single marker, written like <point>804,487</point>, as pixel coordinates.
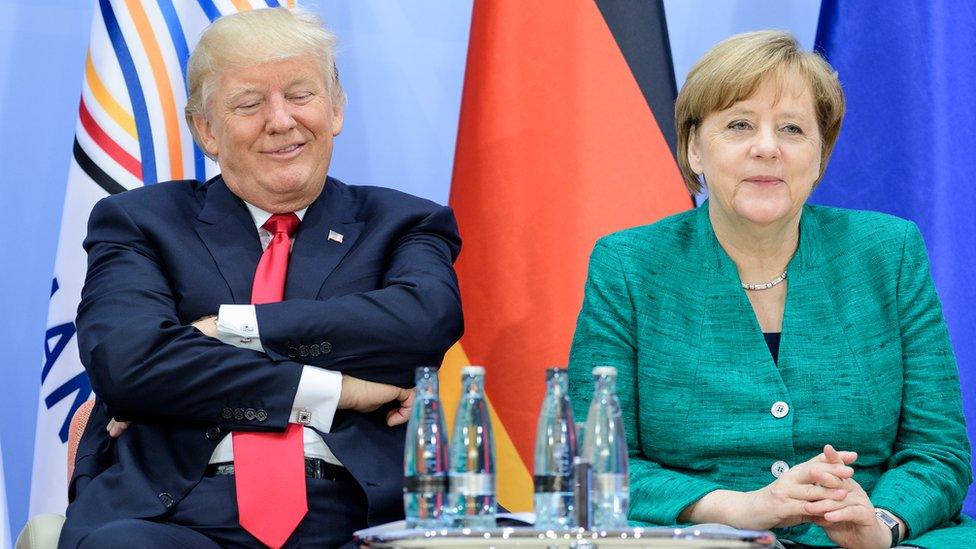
<point>236,328</point>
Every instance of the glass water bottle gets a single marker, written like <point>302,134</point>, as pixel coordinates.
<point>472,456</point>
<point>555,448</point>
<point>605,448</point>
<point>425,457</point>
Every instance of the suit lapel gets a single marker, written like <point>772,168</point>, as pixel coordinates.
<point>328,231</point>
<point>228,231</point>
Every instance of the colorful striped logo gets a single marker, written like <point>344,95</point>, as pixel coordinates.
<point>130,117</point>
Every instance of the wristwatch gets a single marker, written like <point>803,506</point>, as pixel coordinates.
<point>892,524</point>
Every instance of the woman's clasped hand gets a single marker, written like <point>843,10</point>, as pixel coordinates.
<point>821,490</point>
<point>849,521</point>
<point>791,499</point>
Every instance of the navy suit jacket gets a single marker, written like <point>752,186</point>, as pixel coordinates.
<point>376,305</point>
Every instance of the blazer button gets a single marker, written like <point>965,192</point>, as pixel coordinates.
<point>227,413</point>
<point>292,352</point>
<point>779,409</point>
<point>314,350</point>
<point>261,415</point>
<point>778,468</point>
<point>213,432</point>
<point>249,414</point>
<point>238,413</point>
<point>303,351</point>
<point>325,347</point>
<point>166,499</point>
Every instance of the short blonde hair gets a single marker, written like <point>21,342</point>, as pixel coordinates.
<point>257,36</point>
<point>734,69</point>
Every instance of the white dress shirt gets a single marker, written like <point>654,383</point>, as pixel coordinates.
<point>318,389</point>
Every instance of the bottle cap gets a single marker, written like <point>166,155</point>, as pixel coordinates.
<point>605,371</point>
<point>473,371</point>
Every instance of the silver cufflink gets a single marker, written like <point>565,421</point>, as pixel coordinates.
<point>304,417</point>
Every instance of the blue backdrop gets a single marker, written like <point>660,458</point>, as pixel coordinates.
<point>908,142</point>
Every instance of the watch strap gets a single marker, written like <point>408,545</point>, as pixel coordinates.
<point>892,525</point>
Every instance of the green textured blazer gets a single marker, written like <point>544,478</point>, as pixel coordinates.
<point>865,364</point>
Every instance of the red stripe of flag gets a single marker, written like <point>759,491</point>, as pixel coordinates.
<point>557,146</point>
<point>107,144</point>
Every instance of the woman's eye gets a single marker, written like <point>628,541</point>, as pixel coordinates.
<point>739,125</point>
<point>793,128</point>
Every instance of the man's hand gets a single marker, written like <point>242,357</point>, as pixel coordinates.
<point>116,428</point>
<point>366,396</point>
<point>207,325</point>
<point>850,522</point>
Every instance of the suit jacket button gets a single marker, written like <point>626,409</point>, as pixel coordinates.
<point>292,352</point>
<point>325,347</point>
<point>314,350</point>
<point>227,413</point>
<point>261,415</point>
<point>166,499</point>
<point>303,351</point>
<point>213,432</point>
<point>249,414</point>
<point>238,413</point>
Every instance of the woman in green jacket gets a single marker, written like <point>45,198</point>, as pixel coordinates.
<point>781,366</point>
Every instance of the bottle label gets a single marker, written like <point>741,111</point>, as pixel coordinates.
<point>473,484</point>
<point>425,483</point>
<point>610,483</point>
<point>552,483</point>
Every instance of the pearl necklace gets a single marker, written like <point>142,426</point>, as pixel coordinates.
<point>766,285</point>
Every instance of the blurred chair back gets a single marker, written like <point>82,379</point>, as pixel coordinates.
<point>78,423</point>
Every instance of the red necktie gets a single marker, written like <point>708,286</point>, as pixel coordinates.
<point>270,467</point>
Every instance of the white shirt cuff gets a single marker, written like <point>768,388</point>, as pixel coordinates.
<point>237,325</point>
<point>317,398</point>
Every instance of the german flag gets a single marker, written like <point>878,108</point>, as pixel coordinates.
<point>566,134</point>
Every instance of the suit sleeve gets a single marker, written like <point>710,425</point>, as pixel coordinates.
<point>384,334</point>
<point>606,334</point>
<point>143,363</point>
<point>928,471</point>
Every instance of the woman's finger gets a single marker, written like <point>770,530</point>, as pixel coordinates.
<point>812,492</point>
<point>857,514</point>
<point>827,479</point>
<point>821,507</point>
<point>832,455</point>
<point>826,474</point>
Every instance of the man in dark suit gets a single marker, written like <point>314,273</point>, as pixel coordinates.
<point>191,347</point>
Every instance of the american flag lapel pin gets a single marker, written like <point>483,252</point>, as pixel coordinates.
<point>335,237</point>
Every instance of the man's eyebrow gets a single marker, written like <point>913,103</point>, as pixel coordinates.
<point>300,80</point>
<point>239,93</point>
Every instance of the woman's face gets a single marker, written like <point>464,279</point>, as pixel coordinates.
<point>761,156</point>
